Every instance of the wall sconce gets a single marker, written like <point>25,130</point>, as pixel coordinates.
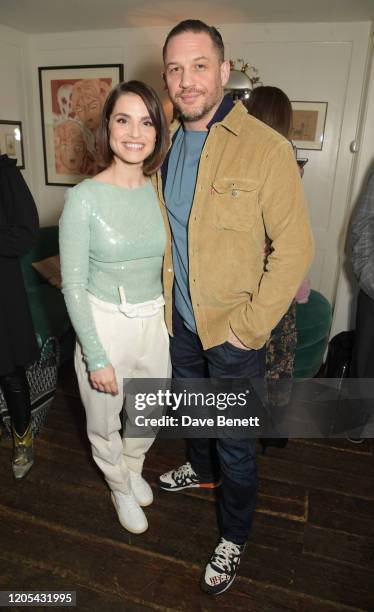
<point>243,80</point>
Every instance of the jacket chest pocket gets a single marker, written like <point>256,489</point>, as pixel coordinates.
<point>234,203</point>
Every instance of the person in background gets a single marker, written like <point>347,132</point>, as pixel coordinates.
<point>227,180</point>
<point>112,241</point>
<point>273,107</point>
<point>19,226</point>
<point>361,246</point>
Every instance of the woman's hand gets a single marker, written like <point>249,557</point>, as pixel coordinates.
<point>104,380</point>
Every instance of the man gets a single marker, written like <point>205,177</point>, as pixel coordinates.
<point>226,180</point>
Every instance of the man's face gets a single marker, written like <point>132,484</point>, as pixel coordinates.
<point>194,76</point>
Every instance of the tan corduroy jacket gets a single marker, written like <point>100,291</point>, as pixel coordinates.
<point>247,182</point>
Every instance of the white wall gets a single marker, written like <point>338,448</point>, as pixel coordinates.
<point>13,95</point>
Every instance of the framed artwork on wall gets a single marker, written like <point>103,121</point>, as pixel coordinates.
<point>308,124</point>
<point>71,101</point>
<point>11,141</point>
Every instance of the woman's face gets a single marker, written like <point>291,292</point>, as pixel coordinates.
<point>132,133</point>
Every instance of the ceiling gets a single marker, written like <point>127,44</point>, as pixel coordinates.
<point>39,16</point>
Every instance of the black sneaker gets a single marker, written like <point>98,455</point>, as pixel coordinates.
<point>183,477</point>
<point>220,570</point>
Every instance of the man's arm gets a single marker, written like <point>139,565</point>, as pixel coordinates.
<point>287,224</point>
<point>361,239</point>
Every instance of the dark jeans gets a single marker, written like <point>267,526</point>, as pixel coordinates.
<point>232,460</point>
<point>362,363</point>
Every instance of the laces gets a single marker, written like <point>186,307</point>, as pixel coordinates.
<point>226,556</point>
<point>183,472</point>
<point>185,469</point>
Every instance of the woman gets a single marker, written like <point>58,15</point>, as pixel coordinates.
<point>271,106</point>
<point>112,241</point>
<point>19,225</point>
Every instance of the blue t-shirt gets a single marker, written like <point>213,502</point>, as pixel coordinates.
<point>179,193</point>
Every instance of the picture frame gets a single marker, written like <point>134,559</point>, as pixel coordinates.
<point>11,141</point>
<point>71,101</point>
<point>308,124</point>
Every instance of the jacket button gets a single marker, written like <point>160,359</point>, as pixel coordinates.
<point>235,193</point>
<point>170,269</point>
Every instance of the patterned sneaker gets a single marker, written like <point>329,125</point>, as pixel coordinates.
<point>183,477</point>
<point>221,568</point>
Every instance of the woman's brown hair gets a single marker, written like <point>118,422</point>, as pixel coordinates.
<point>154,107</point>
<point>271,106</point>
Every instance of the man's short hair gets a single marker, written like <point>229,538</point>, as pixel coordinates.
<point>196,26</point>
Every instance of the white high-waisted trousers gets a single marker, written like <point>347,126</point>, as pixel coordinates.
<point>137,344</point>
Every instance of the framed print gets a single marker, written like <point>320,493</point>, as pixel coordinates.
<point>71,101</point>
<point>11,141</point>
<point>308,124</point>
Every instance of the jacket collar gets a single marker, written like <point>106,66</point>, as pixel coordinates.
<point>234,119</point>
<point>222,111</point>
<point>224,108</point>
<point>228,115</point>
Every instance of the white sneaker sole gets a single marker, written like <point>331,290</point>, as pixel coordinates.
<point>123,523</point>
<point>171,489</point>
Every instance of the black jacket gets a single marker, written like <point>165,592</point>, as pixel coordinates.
<point>19,225</point>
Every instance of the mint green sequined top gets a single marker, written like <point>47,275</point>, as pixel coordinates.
<point>110,236</point>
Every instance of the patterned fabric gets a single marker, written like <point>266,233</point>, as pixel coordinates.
<point>42,379</point>
<point>361,239</point>
<point>281,347</point>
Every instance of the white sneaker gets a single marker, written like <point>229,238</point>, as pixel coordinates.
<point>130,514</point>
<point>142,491</point>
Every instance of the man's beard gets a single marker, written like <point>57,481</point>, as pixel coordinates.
<point>197,113</point>
<point>194,115</point>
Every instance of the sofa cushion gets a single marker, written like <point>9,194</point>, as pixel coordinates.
<point>50,269</point>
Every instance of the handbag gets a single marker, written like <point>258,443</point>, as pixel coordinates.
<point>339,355</point>
<point>42,379</point>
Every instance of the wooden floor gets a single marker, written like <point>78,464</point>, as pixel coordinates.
<point>311,550</point>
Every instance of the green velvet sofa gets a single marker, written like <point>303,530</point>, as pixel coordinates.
<point>313,323</point>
